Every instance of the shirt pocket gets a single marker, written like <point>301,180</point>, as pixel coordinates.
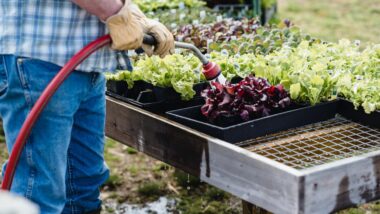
<point>3,76</point>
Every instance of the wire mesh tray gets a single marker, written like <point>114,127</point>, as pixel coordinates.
<point>353,134</point>
<point>317,144</point>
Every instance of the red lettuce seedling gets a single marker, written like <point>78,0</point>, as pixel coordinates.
<point>250,98</point>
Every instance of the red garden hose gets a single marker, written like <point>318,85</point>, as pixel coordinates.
<point>41,103</point>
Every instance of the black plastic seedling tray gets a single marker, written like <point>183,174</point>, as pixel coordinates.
<point>149,106</point>
<point>121,88</point>
<point>347,110</point>
<point>147,101</point>
<point>153,98</point>
<point>170,94</point>
<point>296,117</point>
<point>165,93</point>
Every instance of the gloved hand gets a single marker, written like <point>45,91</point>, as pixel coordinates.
<point>128,27</point>
<point>164,38</point>
<point>125,30</point>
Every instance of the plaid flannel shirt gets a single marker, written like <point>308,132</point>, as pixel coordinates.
<point>53,31</point>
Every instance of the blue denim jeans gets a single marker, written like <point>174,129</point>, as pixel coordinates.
<point>62,165</point>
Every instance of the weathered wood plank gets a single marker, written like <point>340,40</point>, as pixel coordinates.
<point>249,176</point>
<point>342,184</point>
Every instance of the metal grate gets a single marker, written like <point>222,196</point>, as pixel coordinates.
<point>316,144</point>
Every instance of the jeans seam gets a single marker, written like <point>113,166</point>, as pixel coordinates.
<point>29,143</point>
<point>29,189</point>
<point>23,81</point>
<point>71,183</point>
<point>32,173</point>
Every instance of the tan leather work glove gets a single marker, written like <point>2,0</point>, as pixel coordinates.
<point>125,30</point>
<point>128,27</point>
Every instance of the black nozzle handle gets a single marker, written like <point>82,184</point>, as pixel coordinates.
<point>149,40</point>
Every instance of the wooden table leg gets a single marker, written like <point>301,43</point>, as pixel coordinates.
<point>249,208</point>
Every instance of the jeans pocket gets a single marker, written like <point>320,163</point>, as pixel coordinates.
<point>34,76</point>
<point>3,76</point>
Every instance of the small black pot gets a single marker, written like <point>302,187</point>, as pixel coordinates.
<point>165,93</point>
<point>117,87</point>
<point>148,101</point>
<point>138,87</point>
<point>155,99</point>
<point>170,94</point>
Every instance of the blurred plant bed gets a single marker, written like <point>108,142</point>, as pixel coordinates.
<point>263,3</point>
<point>174,13</point>
<point>235,11</point>
<point>153,5</point>
<point>264,40</point>
<point>174,18</point>
<point>245,8</point>
<point>241,36</point>
<point>224,30</point>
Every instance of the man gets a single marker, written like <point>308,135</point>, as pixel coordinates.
<point>62,165</point>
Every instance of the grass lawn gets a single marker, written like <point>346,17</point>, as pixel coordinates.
<point>332,20</point>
